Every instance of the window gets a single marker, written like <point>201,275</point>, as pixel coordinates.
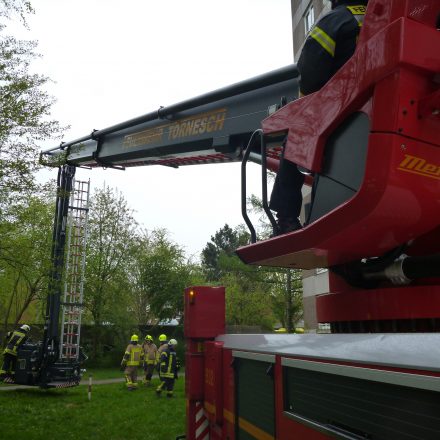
<point>309,19</point>
<point>357,408</point>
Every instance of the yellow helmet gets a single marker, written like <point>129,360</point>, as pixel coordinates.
<point>162,338</point>
<point>148,338</point>
<point>134,338</point>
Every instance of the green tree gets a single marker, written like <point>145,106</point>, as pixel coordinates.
<point>254,295</point>
<point>223,243</point>
<point>287,297</point>
<point>160,275</point>
<point>11,8</point>
<point>111,231</point>
<point>248,302</point>
<point>24,110</point>
<point>287,284</point>
<point>25,259</point>
<point>248,298</point>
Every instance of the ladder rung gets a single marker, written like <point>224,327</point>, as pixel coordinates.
<point>73,302</point>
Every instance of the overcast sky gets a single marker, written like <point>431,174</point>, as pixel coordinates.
<point>112,60</point>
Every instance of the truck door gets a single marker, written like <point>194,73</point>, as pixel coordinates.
<point>254,396</point>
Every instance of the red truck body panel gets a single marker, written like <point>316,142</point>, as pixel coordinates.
<point>377,384</point>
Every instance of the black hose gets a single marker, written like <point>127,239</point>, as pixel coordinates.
<point>426,266</point>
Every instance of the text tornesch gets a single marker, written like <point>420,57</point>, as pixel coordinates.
<point>199,124</point>
<point>192,126</point>
<point>418,165</point>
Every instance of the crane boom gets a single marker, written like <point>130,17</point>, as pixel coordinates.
<point>214,127</point>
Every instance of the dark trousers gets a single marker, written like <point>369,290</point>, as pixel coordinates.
<point>9,363</point>
<point>166,383</point>
<point>149,370</point>
<point>286,197</point>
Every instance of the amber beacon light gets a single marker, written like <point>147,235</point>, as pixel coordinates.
<point>192,296</point>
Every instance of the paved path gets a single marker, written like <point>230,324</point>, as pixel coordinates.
<point>84,381</point>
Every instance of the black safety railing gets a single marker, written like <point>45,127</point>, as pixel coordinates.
<point>255,135</point>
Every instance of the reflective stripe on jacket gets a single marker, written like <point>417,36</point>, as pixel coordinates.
<point>16,339</point>
<point>133,355</point>
<point>150,353</point>
<point>168,364</point>
<point>330,44</point>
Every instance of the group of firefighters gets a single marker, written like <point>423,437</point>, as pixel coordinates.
<point>146,355</point>
<point>150,357</point>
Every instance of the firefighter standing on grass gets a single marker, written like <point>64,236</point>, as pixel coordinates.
<point>14,340</point>
<point>169,365</point>
<point>150,354</point>
<point>131,361</point>
<point>163,345</point>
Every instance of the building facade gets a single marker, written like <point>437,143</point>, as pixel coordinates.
<point>304,14</point>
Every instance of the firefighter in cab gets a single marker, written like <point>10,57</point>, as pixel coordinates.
<point>150,357</point>
<point>329,45</point>
<point>169,366</point>
<point>13,341</point>
<point>132,360</point>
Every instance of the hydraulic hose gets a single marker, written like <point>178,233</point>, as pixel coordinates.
<point>405,269</point>
<point>422,267</point>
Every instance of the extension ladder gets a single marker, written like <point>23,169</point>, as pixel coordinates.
<point>72,304</point>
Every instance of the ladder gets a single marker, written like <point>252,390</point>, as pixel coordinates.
<point>72,304</point>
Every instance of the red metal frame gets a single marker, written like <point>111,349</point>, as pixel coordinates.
<point>390,78</point>
<point>361,227</point>
<point>387,49</point>
<point>412,302</point>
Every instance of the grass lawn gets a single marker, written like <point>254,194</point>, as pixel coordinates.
<point>113,413</point>
<point>99,374</point>
<point>104,373</point>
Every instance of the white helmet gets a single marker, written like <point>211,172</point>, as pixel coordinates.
<point>172,342</point>
<point>25,327</point>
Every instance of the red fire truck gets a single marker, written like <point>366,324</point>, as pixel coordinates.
<point>370,138</point>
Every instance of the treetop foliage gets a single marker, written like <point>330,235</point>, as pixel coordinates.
<point>255,295</point>
<point>24,110</point>
<point>223,243</point>
<point>9,8</point>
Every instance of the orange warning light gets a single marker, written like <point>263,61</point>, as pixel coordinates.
<point>191,296</point>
